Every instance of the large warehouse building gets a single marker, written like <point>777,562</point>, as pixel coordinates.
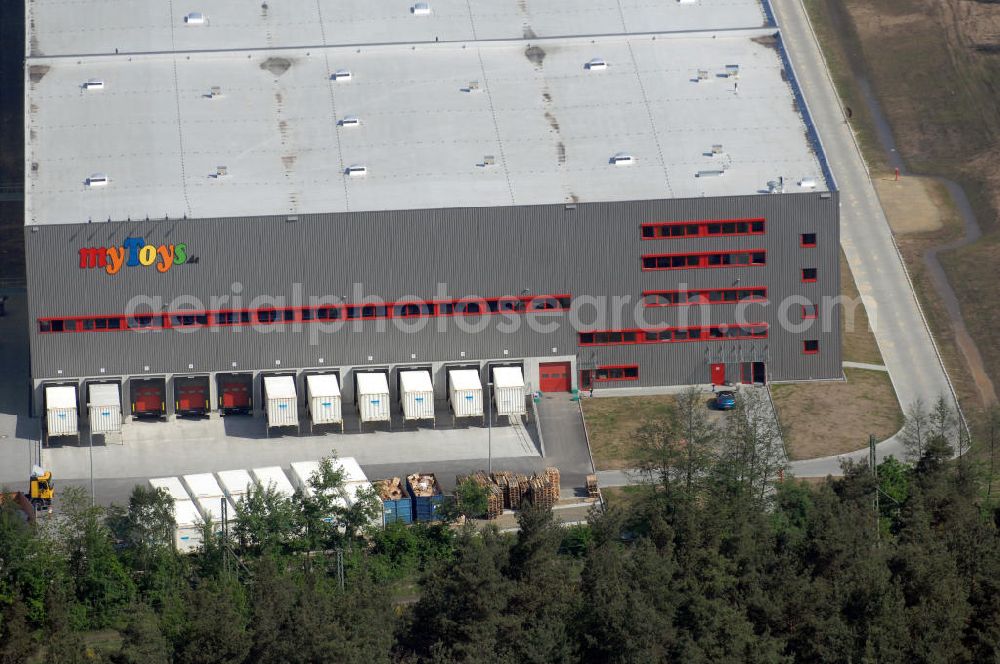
<point>611,194</point>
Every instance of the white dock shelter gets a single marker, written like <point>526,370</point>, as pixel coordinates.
<point>208,496</point>
<point>187,519</point>
<point>235,484</point>
<point>105,406</point>
<point>325,404</point>
<point>508,391</point>
<point>61,417</point>
<point>465,392</point>
<point>373,397</point>
<point>274,477</point>
<point>281,402</point>
<point>416,395</point>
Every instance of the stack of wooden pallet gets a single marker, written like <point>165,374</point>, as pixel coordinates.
<point>592,489</point>
<point>494,494</point>
<point>543,493</point>
<point>390,489</point>
<point>552,475</point>
<point>503,479</point>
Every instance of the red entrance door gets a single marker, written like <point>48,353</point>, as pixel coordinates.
<point>554,377</point>
<point>718,374</point>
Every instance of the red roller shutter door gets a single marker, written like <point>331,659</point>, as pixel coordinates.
<point>554,377</point>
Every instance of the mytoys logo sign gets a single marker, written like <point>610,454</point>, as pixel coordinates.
<point>134,252</point>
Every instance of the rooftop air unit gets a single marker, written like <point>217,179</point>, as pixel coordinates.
<point>596,64</point>
<point>195,18</point>
<point>807,183</point>
<point>350,121</point>
<point>473,86</point>
<point>732,71</point>
<point>341,75</point>
<point>716,149</point>
<point>421,9</point>
<point>221,171</point>
<point>216,91</point>
<point>703,75</point>
<point>622,159</point>
<point>94,84</point>
<point>489,160</point>
<point>710,174</point>
<point>357,171</point>
<point>97,180</point>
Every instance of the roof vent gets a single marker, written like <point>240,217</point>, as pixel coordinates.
<point>732,71</point>
<point>97,180</point>
<point>341,75</point>
<point>489,160</point>
<point>716,150</point>
<point>93,84</point>
<point>776,186</point>
<point>710,174</point>
<point>421,9</point>
<point>216,91</point>
<point>596,64</point>
<point>686,2</point>
<point>356,171</point>
<point>195,18</point>
<point>221,171</point>
<point>807,183</point>
<point>350,121</point>
<point>702,75</point>
<point>472,87</point>
<point>622,159</point>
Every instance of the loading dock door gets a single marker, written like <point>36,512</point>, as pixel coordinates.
<point>148,397</point>
<point>554,377</point>
<point>191,395</point>
<point>235,394</point>
<point>718,374</point>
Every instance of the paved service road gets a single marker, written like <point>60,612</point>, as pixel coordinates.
<point>907,348</point>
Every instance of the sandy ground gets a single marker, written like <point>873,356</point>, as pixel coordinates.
<point>913,204</point>
<point>821,419</point>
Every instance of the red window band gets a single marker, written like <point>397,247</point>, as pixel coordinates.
<point>662,335</point>
<point>320,313</point>
<point>614,372</point>
<point>666,230</point>
<point>715,259</point>
<point>680,298</point>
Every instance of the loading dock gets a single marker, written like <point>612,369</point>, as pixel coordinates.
<point>416,394</point>
<point>105,407</point>
<point>148,397</point>
<point>281,405</point>
<point>191,396</point>
<point>61,416</point>
<point>554,377</point>
<point>235,393</point>
<point>324,400</point>
<point>508,390</point>
<point>465,393</point>
<point>371,391</point>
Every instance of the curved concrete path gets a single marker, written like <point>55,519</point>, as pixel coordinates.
<point>908,350</point>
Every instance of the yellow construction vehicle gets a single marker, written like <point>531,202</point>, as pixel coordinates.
<point>41,489</point>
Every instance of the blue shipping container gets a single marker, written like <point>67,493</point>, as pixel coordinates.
<point>400,510</point>
<point>425,508</point>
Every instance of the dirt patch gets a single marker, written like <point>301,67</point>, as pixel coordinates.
<point>612,423</point>
<point>857,339</point>
<point>535,55</point>
<point>37,72</point>
<point>913,204</point>
<point>820,419</point>
<point>277,66</point>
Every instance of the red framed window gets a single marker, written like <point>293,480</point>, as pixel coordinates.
<point>715,259</point>
<point>698,296</point>
<point>669,230</point>
<point>809,275</point>
<point>807,240</point>
<point>810,311</point>
<point>269,315</point>
<point>660,335</point>
<point>614,372</point>
<point>810,346</point>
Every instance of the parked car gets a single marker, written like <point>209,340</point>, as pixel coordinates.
<point>725,401</point>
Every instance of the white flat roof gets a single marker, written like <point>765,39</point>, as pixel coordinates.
<point>508,377</point>
<point>464,379</point>
<point>104,394</point>
<point>235,482</point>
<point>352,470</point>
<point>324,385</point>
<point>172,485</point>
<point>186,514</point>
<point>68,27</point>
<point>449,124</point>
<point>279,387</point>
<point>60,396</point>
<point>416,381</point>
<point>203,485</point>
<point>274,476</point>
<point>372,383</point>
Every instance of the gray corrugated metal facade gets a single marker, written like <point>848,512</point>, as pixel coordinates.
<point>592,250</point>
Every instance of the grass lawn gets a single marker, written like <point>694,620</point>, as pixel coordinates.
<point>623,496</point>
<point>819,419</point>
<point>612,423</point>
<point>858,340</point>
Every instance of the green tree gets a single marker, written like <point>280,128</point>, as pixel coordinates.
<point>142,640</point>
<point>470,501</point>
<point>266,520</point>
<point>215,629</point>
<point>16,641</point>
<point>916,430</point>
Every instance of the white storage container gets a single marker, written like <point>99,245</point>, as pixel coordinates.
<point>274,477</point>
<point>351,469</point>
<point>281,402</point>
<point>508,390</point>
<point>208,496</point>
<point>60,411</point>
<point>172,485</point>
<point>325,406</point>
<point>416,393</point>
<point>373,397</point>
<point>105,408</point>
<point>302,471</point>
<point>465,391</point>
<point>235,483</point>
<point>188,529</point>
